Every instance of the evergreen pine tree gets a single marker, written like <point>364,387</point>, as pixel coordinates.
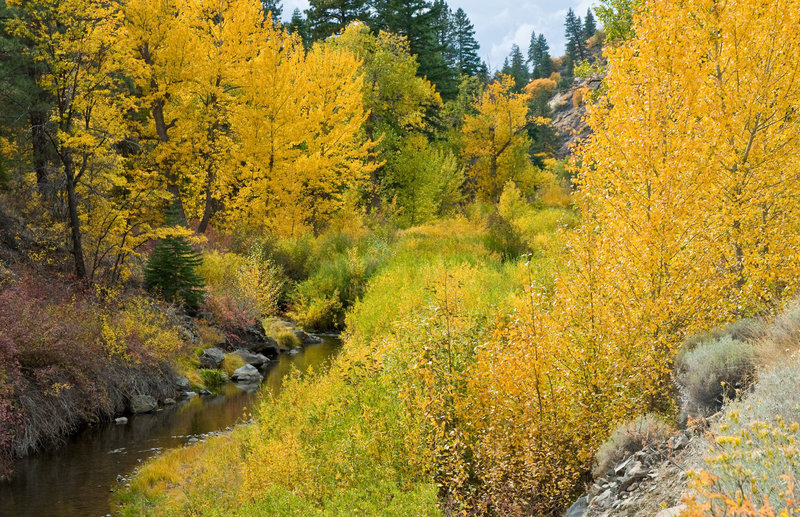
<point>589,25</point>
<point>444,30</point>
<point>417,20</point>
<point>275,7</point>
<point>539,56</point>
<point>467,61</point>
<point>171,269</point>
<point>515,67</point>
<point>576,46</point>
<point>299,25</point>
<point>327,17</point>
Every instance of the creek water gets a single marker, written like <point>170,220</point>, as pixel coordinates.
<point>77,478</point>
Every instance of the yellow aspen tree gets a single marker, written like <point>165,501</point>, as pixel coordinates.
<point>301,126</point>
<point>496,141</point>
<point>335,149</point>
<point>688,194</point>
<point>270,124</point>
<point>154,41</point>
<point>224,38</point>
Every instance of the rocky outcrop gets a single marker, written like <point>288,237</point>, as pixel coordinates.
<point>649,482</point>
<point>569,119</point>
<point>254,339</point>
<point>307,339</point>
<point>212,358</point>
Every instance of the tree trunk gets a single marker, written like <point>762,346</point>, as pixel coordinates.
<point>172,180</point>
<point>209,208</point>
<point>74,220</point>
<point>39,146</point>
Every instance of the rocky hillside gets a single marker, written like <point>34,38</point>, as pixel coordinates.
<point>569,113</point>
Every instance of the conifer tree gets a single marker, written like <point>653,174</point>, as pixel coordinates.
<point>328,17</point>
<point>273,6</point>
<point>539,57</point>
<point>515,67</point>
<point>467,61</point>
<point>417,21</point>
<point>589,25</point>
<point>171,269</point>
<point>299,25</point>
<point>576,46</point>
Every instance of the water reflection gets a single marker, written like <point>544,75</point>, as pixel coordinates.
<point>75,479</point>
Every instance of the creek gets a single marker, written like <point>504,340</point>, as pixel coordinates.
<point>77,478</point>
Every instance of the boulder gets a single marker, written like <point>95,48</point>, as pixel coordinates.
<point>169,401</point>
<point>307,339</point>
<point>212,358</point>
<point>121,420</point>
<point>190,394</point>
<point>254,339</point>
<point>246,374</point>
<point>143,404</point>
<point>257,360</point>
<point>182,383</point>
<point>204,393</point>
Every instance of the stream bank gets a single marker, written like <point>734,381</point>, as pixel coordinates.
<point>77,479</point>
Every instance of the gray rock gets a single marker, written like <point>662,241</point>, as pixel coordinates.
<point>578,508</point>
<point>182,383</point>
<point>620,469</point>
<point>602,500</point>
<point>257,360</point>
<point>307,339</point>
<point>254,339</point>
<point>212,358</point>
<point>143,404</point>
<point>121,420</point>
<point>169,401</point>
<point>204,392</point>
<point>190,394</point>
<point>636,472</point>
<point>246,374</point>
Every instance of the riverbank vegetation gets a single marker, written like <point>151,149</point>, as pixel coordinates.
<point>504,311</point>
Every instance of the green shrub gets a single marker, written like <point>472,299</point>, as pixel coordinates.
<point>287,339</point>
<point>712,372</point>
<point>213,380</point>
<point>231,363</point>
<point>629,438</point>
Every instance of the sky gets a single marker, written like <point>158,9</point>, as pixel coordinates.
<point>501,23</point>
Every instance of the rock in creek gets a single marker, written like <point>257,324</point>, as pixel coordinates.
<point>143,404</point>
<point>182,383</point>
<point>246,374</point>
<point>212,358</point>
<point>257,360</point>
<point>307,339</point>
